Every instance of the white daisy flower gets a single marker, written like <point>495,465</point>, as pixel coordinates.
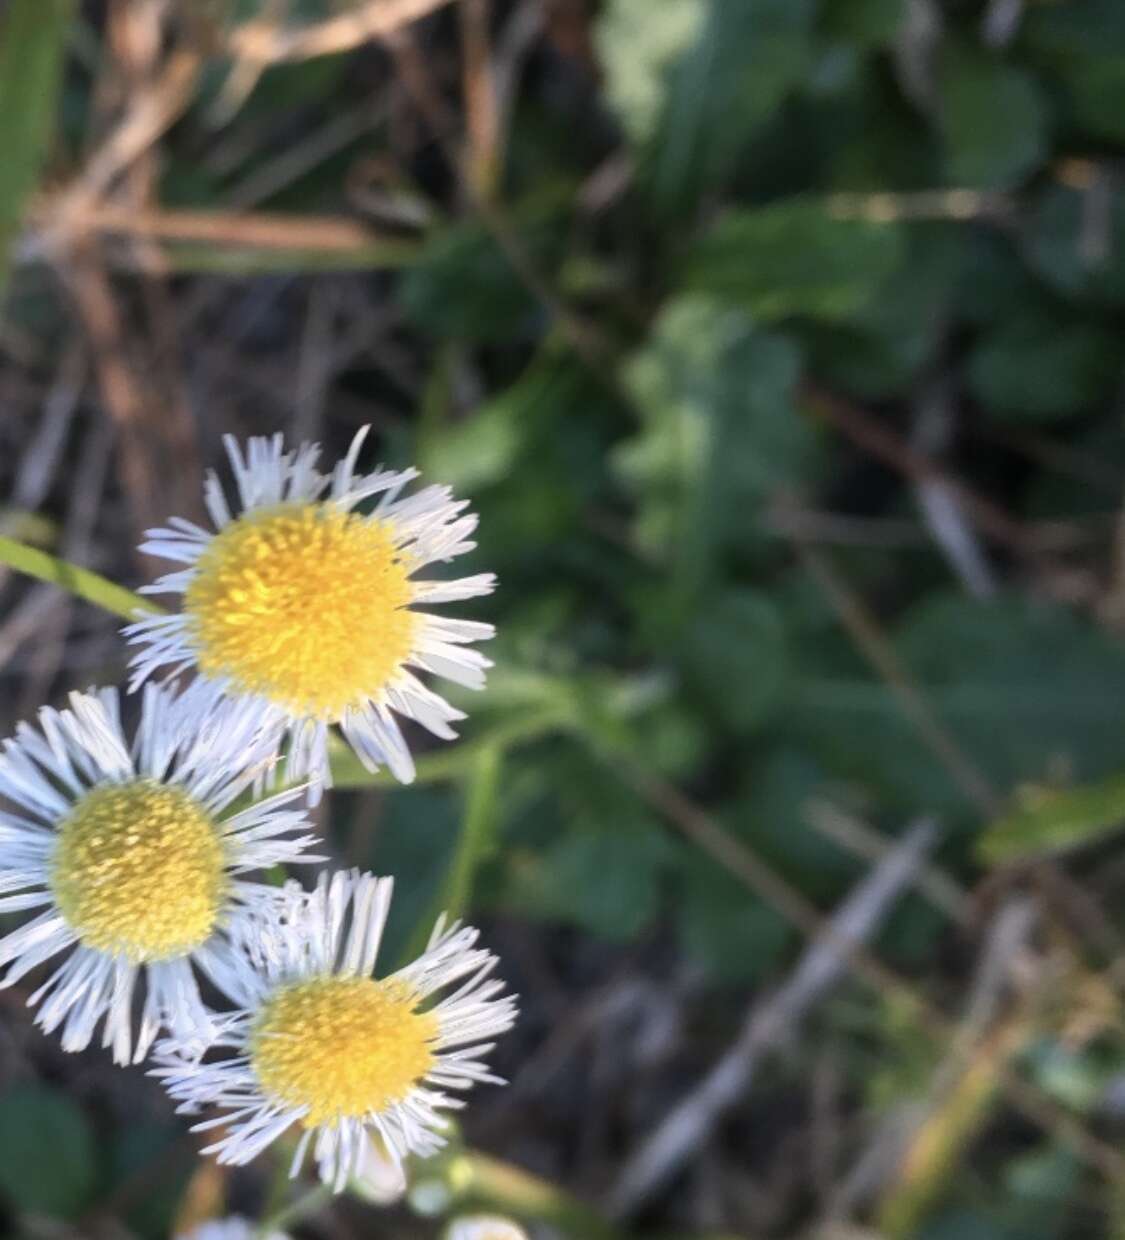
<point>233,1228</point>
<point>132,855</point>
<point>320,1043</point>
<point>484,1227</point>
<point>298,599</point>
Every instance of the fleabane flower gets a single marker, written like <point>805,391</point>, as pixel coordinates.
<point>312,606</point>
<point>320,1043</point>
<point>232,1228</point>
<point>133,855</point>
<point>484,1227</point>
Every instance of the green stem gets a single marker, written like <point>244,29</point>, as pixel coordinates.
<point>474,843</point>
<point>455,760</point>
<point>308,1203</point>
<point>478,1181</point>
<point>83,583</point>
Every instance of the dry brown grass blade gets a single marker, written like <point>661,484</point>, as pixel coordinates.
<point>259,230</point>
<point>151,112</point>
<point>482,114</point>
<point>869,639</point>
<point>265,42</point>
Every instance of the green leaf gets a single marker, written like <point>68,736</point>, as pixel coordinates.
<point>863,23</point>
<point>416,842</point>
<point>794,258</point>
<point>1052,820</point>
<point>720,434</point>
<point>606,882</point>
<point>994,119</point>
<point>880,350</point>
<point>1082,45</point>
<point>32,42</point>
<point>155,1155</point>
<point>1077,244</point>
<point>1025,689</point>
<point>463,285</point>
<point>736,657</point>
<point>1035,368</point>
<point>637,44</point>
<point>730,933</point>
<point>484,448</point>
<point>750,54</point>
<point>770,816</point>
<point>48,1158</point>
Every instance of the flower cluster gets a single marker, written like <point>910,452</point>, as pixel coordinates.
<point>132,851</point>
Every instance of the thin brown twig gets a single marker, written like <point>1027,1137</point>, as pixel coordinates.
<point>875,438</point>
<point>864,630</point>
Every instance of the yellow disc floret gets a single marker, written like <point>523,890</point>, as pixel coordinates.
<point>138,870</point>
<point>305,605</point>
<point>342,1046</point>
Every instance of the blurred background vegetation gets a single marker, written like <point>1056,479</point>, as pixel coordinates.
<point>778,345</point>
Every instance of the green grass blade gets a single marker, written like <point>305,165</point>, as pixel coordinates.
<point>1055,821</point>
<point>32,40</point>
<point>81,582</point>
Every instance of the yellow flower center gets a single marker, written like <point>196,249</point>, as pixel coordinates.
<point>138,870</point>
<point>305,605</point>
<point>342,1046</point>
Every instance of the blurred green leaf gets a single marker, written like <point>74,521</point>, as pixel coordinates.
<point>736,657</point>
<point>48,1157</point>
<point>749,55</point>
<point>720,434</point>
<point>157,1156</point>
<point>1075,241</point>
<point>730,933</point>
<point>463,285</point>
<point>770,815</point>
<point>601,857</point>
<point>1049,820</point>
<point>994,119</point>
<point>32,41</point>
<point>866,23</point>
<point>476,451</point>
<point>880,350</point>
<point>794,258</point>
<point>1082,43</point>
<point>1024,687</point>
<point>415,840</point>
<point>1035,368</point>
<point>637,44</point>
<point>607,882</point>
